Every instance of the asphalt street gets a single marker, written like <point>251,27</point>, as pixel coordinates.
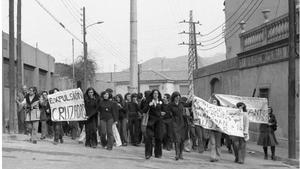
<point>21,154</point>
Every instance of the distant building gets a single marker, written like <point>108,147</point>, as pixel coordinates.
<point>165,81</point>
<point>256,65</point>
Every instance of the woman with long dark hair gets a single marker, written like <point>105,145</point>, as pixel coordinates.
<point>123,120</point>
<point>155,125</point>
<point>179,127</point>
<point>33,113</point>
<point>267,136</point>
<point>91,101</point>
<point>108,117</point>
<point>239,143</point>
<point>215,139</point>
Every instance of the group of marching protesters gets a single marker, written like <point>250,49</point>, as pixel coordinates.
<point>155,120</point>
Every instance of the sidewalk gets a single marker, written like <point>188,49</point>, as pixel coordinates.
<point>281,153</point>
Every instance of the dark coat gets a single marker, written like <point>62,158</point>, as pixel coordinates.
<point>122,111</point>
<point>91,106</point>
<point>179,125</point>
<point>155,125</point>
<point>45,111</point>
<point>132,110</point>
<point>108,110</point>
<point>267,135</point>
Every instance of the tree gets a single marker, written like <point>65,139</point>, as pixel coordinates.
<point>67,70</point>
<point>79,69</point>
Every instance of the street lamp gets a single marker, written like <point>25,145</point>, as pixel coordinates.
<point>85,49</point>
<point>86,52</point>
<point>94,24</point>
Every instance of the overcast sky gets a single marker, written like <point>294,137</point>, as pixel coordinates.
<point>108,43</point>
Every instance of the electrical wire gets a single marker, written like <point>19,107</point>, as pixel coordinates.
<point>240,7</point>
<point>234,24</point>
<point>56,20</point>
<point>230,31</point>
<point>236,30</point>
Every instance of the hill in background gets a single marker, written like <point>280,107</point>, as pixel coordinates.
<point>179,63</point>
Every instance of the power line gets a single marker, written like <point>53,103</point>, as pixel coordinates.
<point>234,23</point>
<point>108,43</point>
<point>237,29</point>
<point>60,23</point>
<point>71,12</point>
<point>226,20</point>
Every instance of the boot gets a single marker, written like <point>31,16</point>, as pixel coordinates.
<point>273,153</point>
<point>266,152</point>
<point>177,151</point>
<point>180,151</point>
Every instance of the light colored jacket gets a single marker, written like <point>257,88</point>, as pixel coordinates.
<point>246,125</point>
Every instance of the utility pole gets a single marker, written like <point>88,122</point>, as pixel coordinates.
<point>84,86</point>
<point>133,47</point>
<point>139,77</point>
<point>292,80</point>
<point>192,55</point>
<point>12,74</point>
<point>19,47</point>
<point>73,66</point>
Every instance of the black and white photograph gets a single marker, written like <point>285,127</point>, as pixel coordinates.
<point>150,84</point>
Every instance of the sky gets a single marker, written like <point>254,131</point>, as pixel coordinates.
<point>108,43</point>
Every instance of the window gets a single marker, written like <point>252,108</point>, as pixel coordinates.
<point>264,93</point>
<point>152,87</point>
<point>184,89</point>
<point>4,44</point>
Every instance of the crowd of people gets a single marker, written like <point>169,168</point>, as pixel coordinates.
<point>169,123</point>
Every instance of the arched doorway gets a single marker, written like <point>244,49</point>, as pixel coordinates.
<point>215,86</point>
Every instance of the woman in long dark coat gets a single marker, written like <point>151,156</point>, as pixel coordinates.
<point>154,127</point>
<point>91,101</point>
<point>267,137</point>
<point>179,127</point>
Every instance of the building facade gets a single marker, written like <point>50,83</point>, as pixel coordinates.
<point>249,11</point>
<point>37,70</point>
<point>164,81</point>
<point>259,69</point>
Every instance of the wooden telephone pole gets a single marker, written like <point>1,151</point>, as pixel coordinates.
<point>12,73</point>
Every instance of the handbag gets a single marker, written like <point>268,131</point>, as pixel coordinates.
<point>145,122</point>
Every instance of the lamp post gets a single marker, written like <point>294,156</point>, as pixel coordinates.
<point>85,49</point>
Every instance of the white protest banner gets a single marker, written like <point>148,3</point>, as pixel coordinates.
<point>67,105</point>
<point>224,119</point>
<point>257,107</point>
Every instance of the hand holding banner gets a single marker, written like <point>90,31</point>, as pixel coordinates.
<point>257,107</point>
<point>224,119</point>
<point>67,105</point>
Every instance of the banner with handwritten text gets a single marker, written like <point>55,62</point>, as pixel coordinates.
<point>212,117</point>
<point>257,107</point>
<point>67,105</point>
